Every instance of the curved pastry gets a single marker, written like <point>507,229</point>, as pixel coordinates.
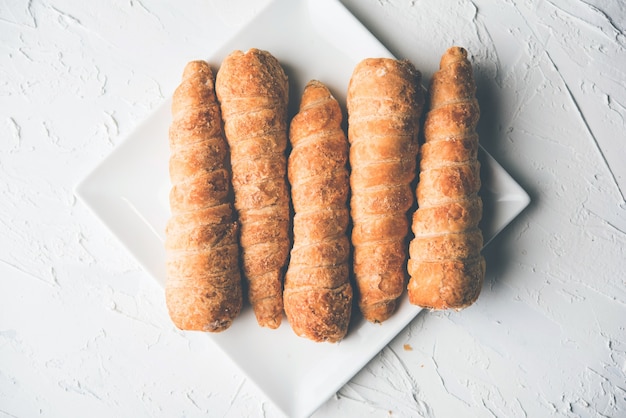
<point>445,265</point>
<point>253,92</point>
<point>385,101</point>
<point>318,294</point>
<point>203,287</point>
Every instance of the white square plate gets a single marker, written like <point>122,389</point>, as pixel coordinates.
<point>128,191</point>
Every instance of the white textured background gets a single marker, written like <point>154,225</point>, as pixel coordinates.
<point>84,331</point>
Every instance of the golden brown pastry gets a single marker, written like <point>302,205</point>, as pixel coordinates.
<point>318,294</point>
<point>203,287</point>
<point>385,101</point>
<point>445,265</point>
<point>253,92</point>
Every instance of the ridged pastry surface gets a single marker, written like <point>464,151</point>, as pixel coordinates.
<point>446,267</point>
<point>203,287</point>
<point>385,103</point>
<point>253,92</point>
<point>318,293</point>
